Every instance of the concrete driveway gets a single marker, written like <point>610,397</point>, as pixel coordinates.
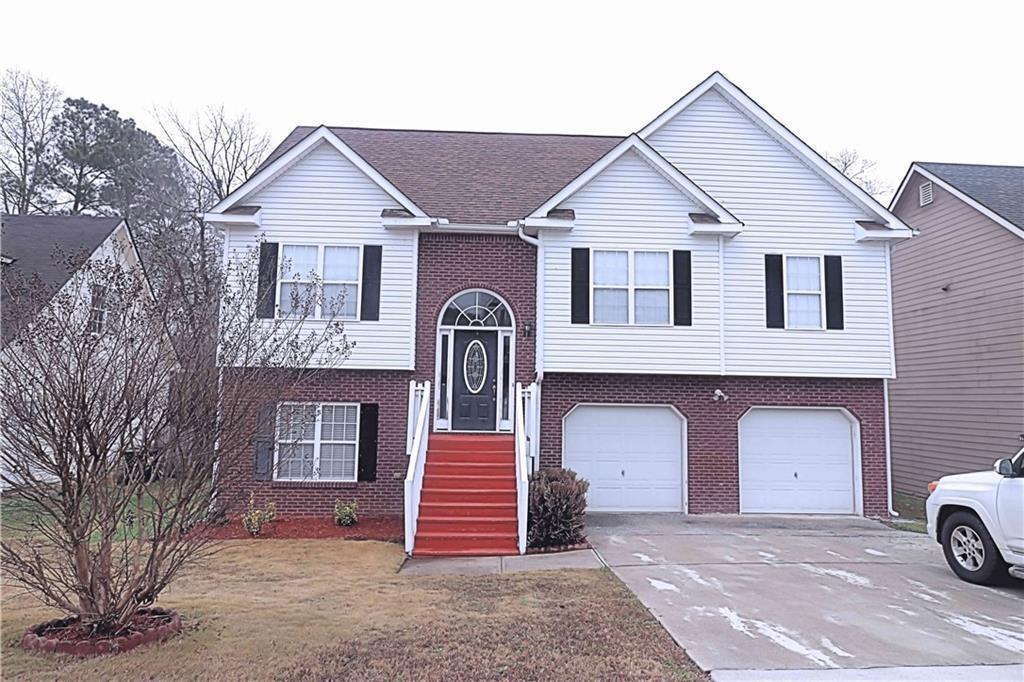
<point>750,594</point>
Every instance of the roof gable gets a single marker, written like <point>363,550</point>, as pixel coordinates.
<point>634,144</point>
<point>269,171</point>
<point>995,191</point>
<point>804,153</point>
<point>466,177</point>
<point>48,250</point>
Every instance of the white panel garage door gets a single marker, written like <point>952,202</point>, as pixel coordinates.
<point>797,461</point>
<point>632,456</point>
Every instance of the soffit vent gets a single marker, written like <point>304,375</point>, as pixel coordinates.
<point>925,193</point>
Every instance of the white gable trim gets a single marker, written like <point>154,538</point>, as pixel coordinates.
<point>297,152</point>
<point>980,208</point>
<point>657,162</point>
<point>798,147</point>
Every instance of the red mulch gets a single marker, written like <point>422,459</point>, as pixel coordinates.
<point>384,528</point>
<point>75,631</point>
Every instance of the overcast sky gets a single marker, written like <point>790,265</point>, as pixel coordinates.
<point>898,80</point>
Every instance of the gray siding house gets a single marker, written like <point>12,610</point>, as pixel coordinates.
<point>958,307</point>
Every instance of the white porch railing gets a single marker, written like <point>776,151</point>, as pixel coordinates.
<point>526,430</point>
<point>416,448</point>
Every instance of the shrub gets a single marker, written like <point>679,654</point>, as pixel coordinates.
<point>558,505</point>
<point>254,519</point>
<point>345,514</point>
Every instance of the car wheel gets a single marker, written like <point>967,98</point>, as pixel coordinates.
<point>970,551</point>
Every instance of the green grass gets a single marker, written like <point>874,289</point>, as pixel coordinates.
<point>911,510</point>
<point>18,517</point>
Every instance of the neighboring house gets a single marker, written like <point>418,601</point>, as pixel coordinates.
<point>45,251</point>
<point>958,300</point>
<point>699,314</point>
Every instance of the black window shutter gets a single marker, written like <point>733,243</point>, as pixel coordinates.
<point>580,298</point>
<point>263,443</point>
<point>774,295</point>
<point>266,289</point>
<point>833,292</point>
<point>370,307</point>
<point>368,442</point>
<point>682,304</point>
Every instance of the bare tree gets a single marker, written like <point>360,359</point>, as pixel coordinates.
<point>862,171</point>
<point>118,410</point>
<point>219,152</point>
<point>28,107</point>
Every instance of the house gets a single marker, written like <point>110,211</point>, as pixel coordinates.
<point>39,257</point>
<point>44,252</point>
<point>695,317</point>
<point>958,300</point>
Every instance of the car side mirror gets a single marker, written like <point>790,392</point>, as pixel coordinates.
<point>1004,467</point>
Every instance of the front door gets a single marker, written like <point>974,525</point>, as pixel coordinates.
<point>475,389</point>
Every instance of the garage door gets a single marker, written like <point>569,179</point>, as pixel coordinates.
<point>797,461</point>
<point>632,456</point>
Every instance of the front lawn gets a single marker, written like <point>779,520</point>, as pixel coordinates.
<point>336,609</point>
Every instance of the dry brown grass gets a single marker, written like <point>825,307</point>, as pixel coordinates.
<point>335,609</point>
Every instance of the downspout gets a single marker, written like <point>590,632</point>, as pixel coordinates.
<point>538,349</point>
<point>888,450</point>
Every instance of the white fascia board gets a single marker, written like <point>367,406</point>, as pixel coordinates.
<point>863,235</point>
<point>981,208</point>
<point>729,230</point>
<point>229,219</point>
<point>475,228</point>
<point>801,149</point>
<point>297,152</point>
<point>656,160</point>
<point>549,223</point>
<point>410,222</point>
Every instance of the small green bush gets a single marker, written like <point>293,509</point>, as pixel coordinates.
<point>558,506</point>
<point>345,514</point>
<point>254,519</point>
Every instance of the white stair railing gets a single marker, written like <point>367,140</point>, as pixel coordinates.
<point>526,442</point>
<point>416,448</point>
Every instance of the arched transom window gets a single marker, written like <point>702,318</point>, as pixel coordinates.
<point>477,309</point>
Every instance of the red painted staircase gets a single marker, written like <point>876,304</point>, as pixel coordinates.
<point>468,500</point>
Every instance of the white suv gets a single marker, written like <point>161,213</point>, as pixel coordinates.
<point>979,520</point>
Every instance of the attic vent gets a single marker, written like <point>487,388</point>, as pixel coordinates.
<point>925,193</point>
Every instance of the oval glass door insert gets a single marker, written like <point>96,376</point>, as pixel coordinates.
<point>474,366</point>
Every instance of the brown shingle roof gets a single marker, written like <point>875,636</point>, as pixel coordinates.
<point>486,178</point>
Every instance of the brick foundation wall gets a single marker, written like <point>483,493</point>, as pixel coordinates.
<point>390,390</point>
<point>450,263</point>
<point>712,428</point>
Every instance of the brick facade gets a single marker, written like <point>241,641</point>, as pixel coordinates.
<point>450,263</point>
<point>712,429</point>
<point>390,390</point>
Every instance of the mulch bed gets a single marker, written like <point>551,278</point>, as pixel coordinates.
<point>69,636</point>
<point>558,548</point>
<point>383,528</point>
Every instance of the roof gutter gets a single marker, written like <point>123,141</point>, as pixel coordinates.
<point>521,224</point>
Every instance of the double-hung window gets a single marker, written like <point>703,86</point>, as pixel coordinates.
<point>804,292</point>
<point>335,268</point>
<point>317,441</point>
<point>98,310</point>
<point>631,287</point>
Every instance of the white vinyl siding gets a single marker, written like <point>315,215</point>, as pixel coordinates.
<point>785,207</point>
<point>317,442</point>
<point>629,207</point>
<point>324,200</point>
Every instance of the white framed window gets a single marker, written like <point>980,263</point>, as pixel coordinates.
<point>803,279</point>
<point>338,269</point>
<point>317,442</point>
<point>98,309</point>
<point>631,287</point>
